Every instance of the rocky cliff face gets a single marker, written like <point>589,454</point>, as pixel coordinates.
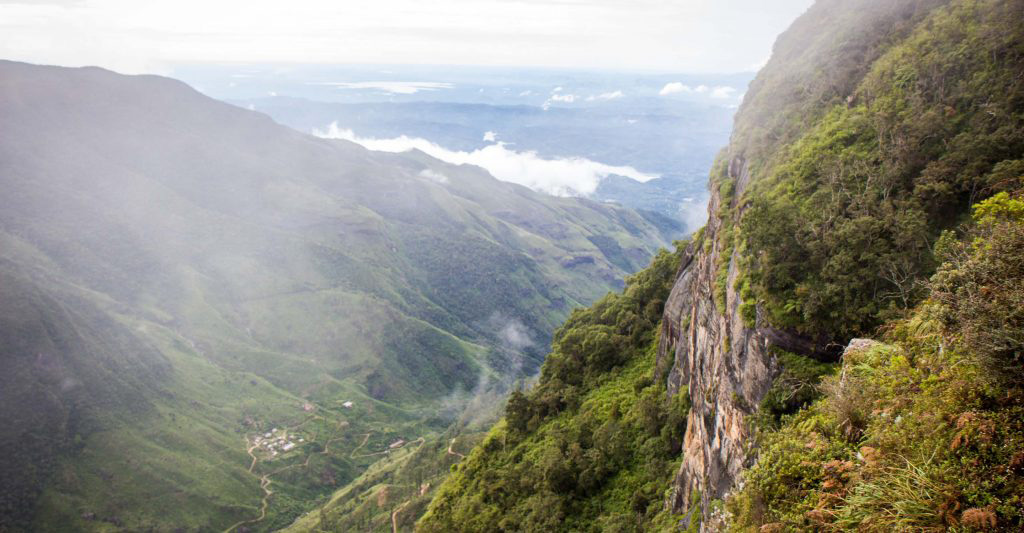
<point>728,366</point>
<point>725,365</point>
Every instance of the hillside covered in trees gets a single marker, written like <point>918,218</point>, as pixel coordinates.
<point>872,188</point>
<point>183,280</point>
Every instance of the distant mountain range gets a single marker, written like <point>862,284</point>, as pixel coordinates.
<point>663,126</point>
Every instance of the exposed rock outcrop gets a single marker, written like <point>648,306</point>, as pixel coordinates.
<point>726,366</point>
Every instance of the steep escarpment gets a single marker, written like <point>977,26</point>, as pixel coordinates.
<point>873,128</point>
<point>853,167</point>
<point>724,363</point>
<point>920,432</point>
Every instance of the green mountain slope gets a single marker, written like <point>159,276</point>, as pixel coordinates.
<point>856,157</point>
<point>592,446</point>
<point>181,275</point>
<point>895,150</point>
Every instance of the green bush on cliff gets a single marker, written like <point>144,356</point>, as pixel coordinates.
<point>923,433</point>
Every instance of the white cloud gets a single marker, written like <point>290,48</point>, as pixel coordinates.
<point>694,211</point>
<point>606,96</point>
<point>490,136</point>
<point>433,176</point>
<point>722,92</point>
<point>557,89</point>
<point>675,87</point>
<point>394,87</point>
<point>556,97</point>
<point>573,176</point>
<point>678,87</point>
<point>526,93</point>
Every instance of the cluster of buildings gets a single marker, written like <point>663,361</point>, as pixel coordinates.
<point>276,442</point>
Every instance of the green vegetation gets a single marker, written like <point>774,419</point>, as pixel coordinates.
<point>394,491</point>
<point>593,445</point>
<point>856,158</point>
<point>925,432</point>
<point>840,228</point>
<point>794,388</point>
<point>169,293</point>
<point>864,188</point>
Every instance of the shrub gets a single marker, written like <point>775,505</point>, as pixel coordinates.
<point>980,287</point>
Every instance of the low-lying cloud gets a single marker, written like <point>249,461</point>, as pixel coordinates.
<point>722,92</point>
<point>560,97</point>
<point>516,335</point>
<point>433,176</point>
<point>393,87</point>
<point>676,87</point>
<point>606,96</point>
<point>569,176</point>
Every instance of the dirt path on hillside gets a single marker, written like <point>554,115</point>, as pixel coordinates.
<point>249,451</point>
<point>420,440</point>
<point>365,439</point>
<point>450,452</point>
<point>394,516</point>
<point>264,504</point>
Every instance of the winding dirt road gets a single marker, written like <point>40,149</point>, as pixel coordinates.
<point>450,452</point>
<point>394,516</point>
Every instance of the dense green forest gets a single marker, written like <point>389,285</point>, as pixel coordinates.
<point>872,188</point>
<point>840,224</point>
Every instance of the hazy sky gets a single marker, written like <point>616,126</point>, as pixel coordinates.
<point>150,35</point>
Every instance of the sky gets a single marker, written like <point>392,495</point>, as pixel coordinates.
<point>135,36</point>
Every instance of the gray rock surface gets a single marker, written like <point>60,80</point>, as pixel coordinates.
<point>726,366</point>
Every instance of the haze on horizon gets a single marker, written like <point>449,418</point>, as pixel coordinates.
<point>151,37</point>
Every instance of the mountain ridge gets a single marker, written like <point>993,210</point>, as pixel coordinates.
<point>271,275</point>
